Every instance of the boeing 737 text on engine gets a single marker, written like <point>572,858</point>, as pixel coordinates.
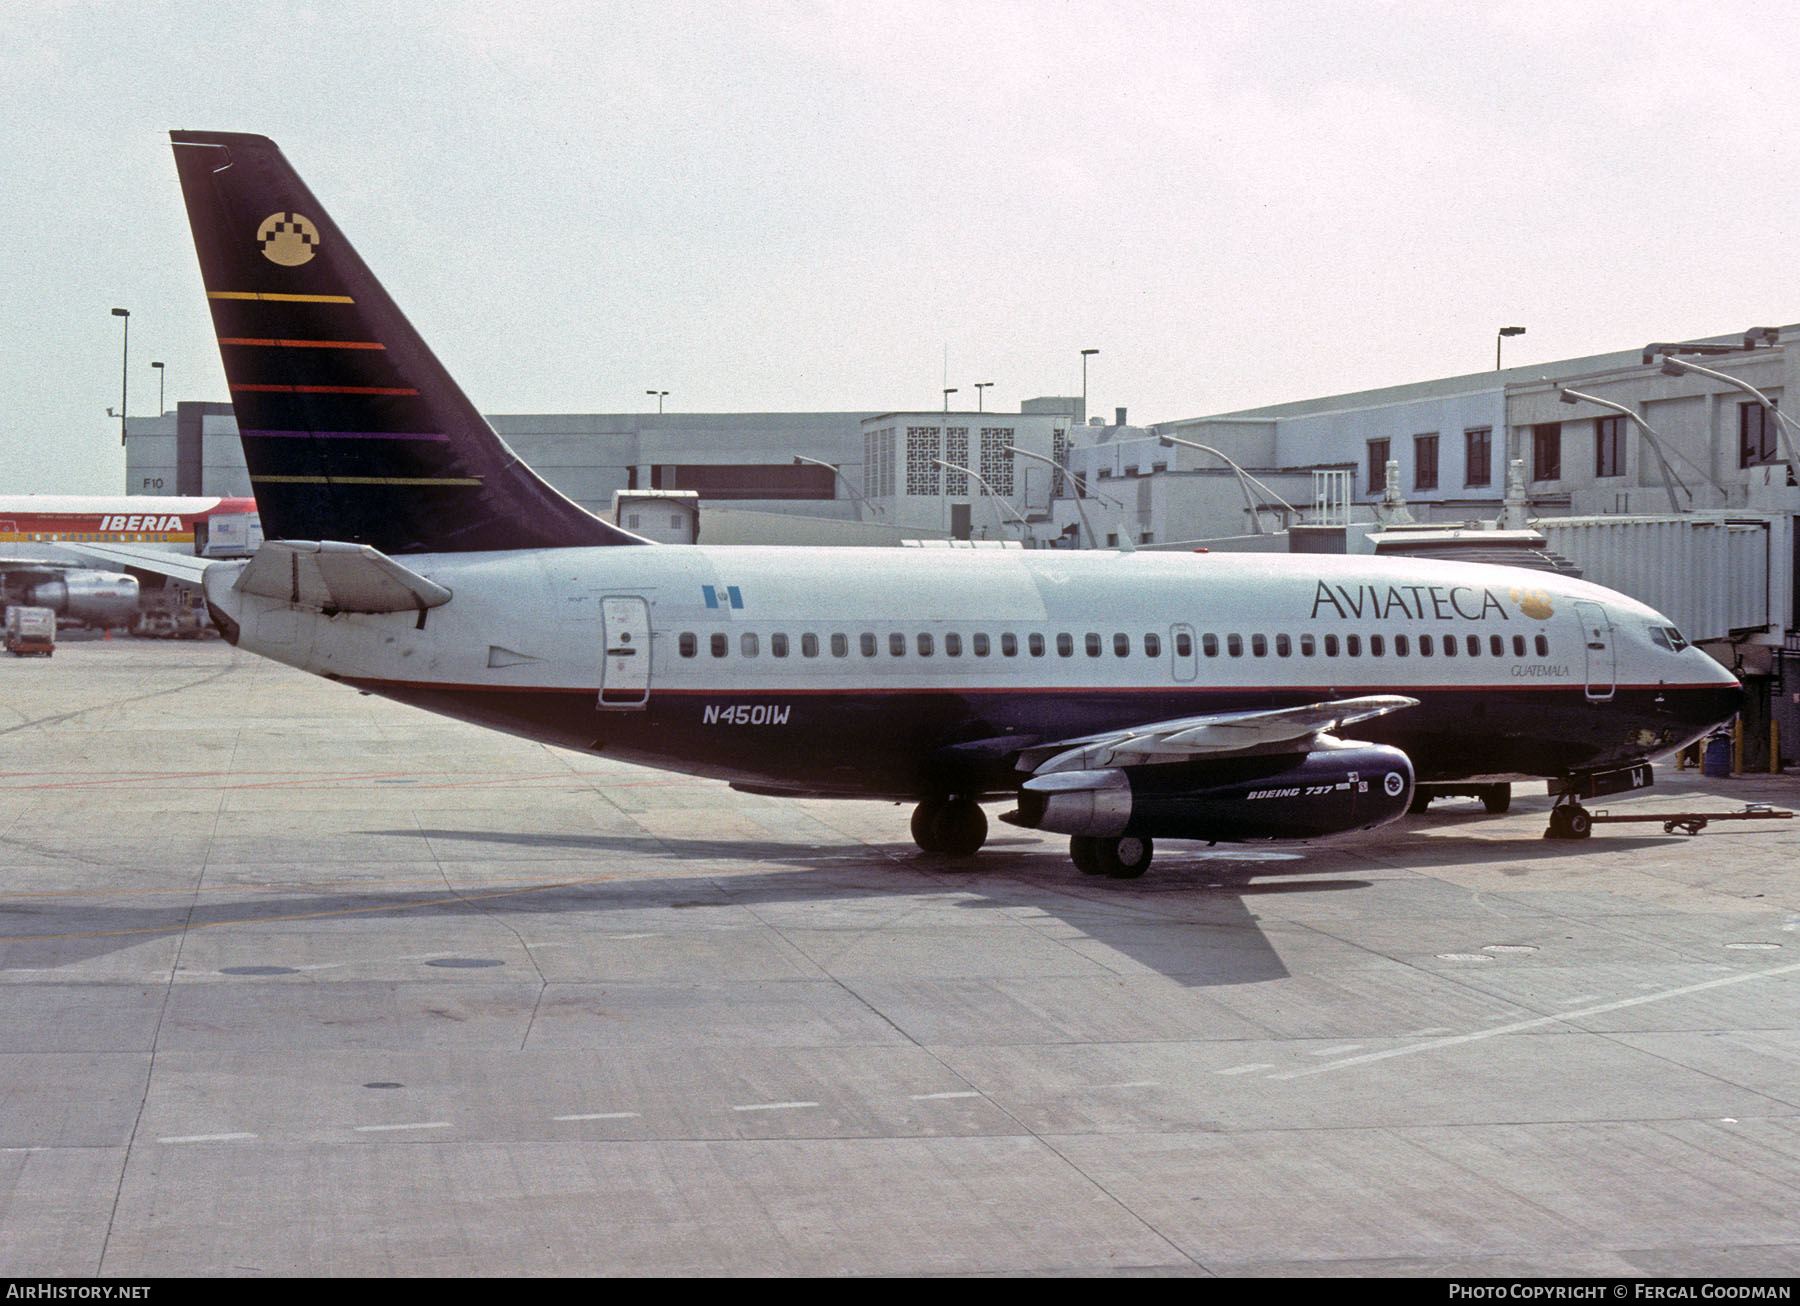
<point>1115,697</point>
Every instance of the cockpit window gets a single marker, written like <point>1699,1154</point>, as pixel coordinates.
<point>1668,637</point>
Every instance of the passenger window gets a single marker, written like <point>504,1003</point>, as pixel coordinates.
<point>1518,646</point>
<point>1121,646</point>
<point>1473,644</point>
<point>952,645</point>
<point>1152,646</point>
<point>1402,646</point>
<point>778,646</point>
<point>1353,645</point>
<point>925,645</point>
<point>1035,643</point>
<point>1259,646</point>
<point>721,645</point>
<point>866,641</point>
<point>1284,647</point>
<point>809,646</point>
<point>747,644</point>
<point>1009,646</point>
<point>1184,645</point>
<point>1424,646</point>
<point>1449,646</point>
<point>1377,646</point>
<point>980,643</point>
<point>1092,644</point>
<point>1065,646</point>
<point>1543,647</point>
<point>1308,647</point>
<point>1234,645</point>
<point>1209,645</point>
<point>1497,646</point>
<point>840,646</point>
<point>1331,646</point>
<point>687,644</point>
<point>897,645</point>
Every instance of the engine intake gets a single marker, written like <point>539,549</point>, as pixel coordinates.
<point>1354,786</point>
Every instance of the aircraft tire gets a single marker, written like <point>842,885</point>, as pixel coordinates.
<point>1497,799</point>
<point>1123,859</point>
<point>959,828</point>
<point>1421,800</point>
<point>1578,824</point>
<point>925,821</point>
<point>1081,851</point>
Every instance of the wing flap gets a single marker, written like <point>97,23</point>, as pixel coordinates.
<point>334,576</point>
<point>1201,736</point>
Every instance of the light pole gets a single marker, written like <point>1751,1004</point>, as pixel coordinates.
<point>948,391</point>
<point>1673,366</point>
<point>1074,484</point>
<point>659,395</point>
<point>979,397</point>
<point>1245,481</point>
<point>1668,475</point>
<point>1085,355</point>
<point>838,472</point>
<point>161,393</point>
<point>124,369</point>
<point>1504,332</point>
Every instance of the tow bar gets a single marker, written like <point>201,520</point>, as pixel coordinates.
<point>1694,822</point>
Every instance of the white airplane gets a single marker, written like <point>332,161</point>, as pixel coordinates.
<point>1116,697</point>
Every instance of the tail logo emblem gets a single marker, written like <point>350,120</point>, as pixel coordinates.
<point>289,239</point>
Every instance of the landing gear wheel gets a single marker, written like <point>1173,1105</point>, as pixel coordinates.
<point>1497,799</point>
<point>1570,821</point>
<point>1081,849</point>
<point>1122,859</point>
<point>950,827</point>
<point>1421,799</point>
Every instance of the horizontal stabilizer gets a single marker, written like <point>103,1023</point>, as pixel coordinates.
<point>1201,736</point>
<point>145,557</point>
<point>333,576</point>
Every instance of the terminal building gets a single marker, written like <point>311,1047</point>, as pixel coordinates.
<point>1661,471</point>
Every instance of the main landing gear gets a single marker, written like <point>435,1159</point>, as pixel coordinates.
<point>950,827</point>
<point>1116,859</point>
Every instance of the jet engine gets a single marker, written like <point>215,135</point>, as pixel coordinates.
<point>1331,790</point>
<point>92,598</point>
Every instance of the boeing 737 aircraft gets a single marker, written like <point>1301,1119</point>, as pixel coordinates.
<point>1115,697</point>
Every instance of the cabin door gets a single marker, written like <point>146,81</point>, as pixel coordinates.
<point>625,670</point>
<point>1598,651</point>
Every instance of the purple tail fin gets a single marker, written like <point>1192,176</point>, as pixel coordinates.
<point>352,429</point>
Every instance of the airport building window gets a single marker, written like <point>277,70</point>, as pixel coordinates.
<point>746,480</point>
<point>1756,436</point>
<point>1425,451</point>
<point>1478,456</point>
<point>1378,461</point>
<point>687,644</point>
<point>1609,446</point>
<point>1546,451</point>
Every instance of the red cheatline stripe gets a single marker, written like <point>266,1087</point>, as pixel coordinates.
<point>303,344</point>
<point>330,389</point>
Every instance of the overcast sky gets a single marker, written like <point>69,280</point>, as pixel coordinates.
<point>810,206</point>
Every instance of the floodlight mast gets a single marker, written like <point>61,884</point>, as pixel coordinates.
<point>1672,366</point>
<point>1669,478</point>
<point>1245,481</point>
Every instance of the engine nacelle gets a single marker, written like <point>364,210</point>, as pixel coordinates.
<point>1353,786</point>
<point>93,598</point>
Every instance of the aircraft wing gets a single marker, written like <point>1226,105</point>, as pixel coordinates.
<point>1186,738</point>
<point>160,562</point>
